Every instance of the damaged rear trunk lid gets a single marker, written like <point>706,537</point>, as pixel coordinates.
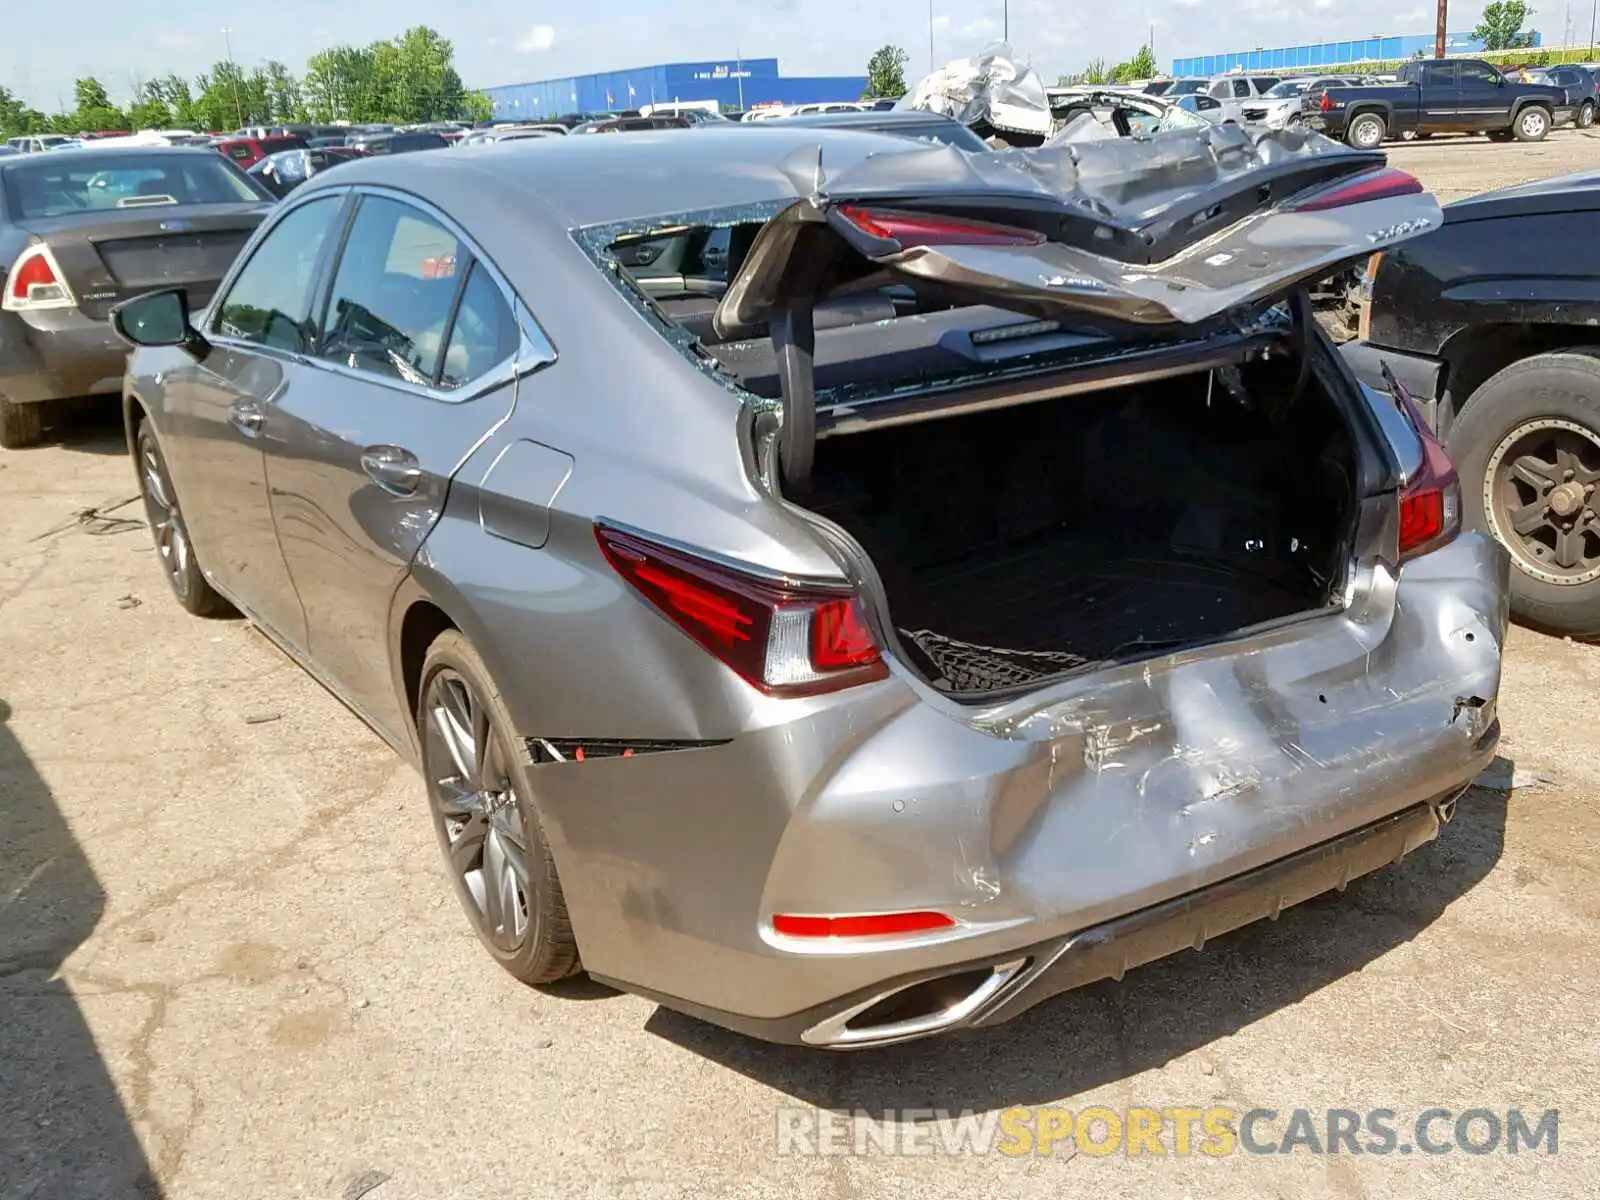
<point>1165,240</point>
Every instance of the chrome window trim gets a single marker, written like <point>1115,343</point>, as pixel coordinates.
<point>535,350</point>
<point>280,213</point>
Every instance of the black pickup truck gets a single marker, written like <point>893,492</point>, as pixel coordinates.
<point>1442,95</point>
<point>1492,323</point>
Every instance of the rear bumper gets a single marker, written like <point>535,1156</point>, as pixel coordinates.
<point>57,354</point>
<point>1417,373</point>
<point>1010,984</point>
<point>1144,800</point>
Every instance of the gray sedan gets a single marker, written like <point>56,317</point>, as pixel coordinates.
<point>975,579</point>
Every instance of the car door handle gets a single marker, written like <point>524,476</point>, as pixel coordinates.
<point>247,418</point>
<point>392,468</point>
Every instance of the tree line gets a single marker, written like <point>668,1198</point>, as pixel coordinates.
<point>1141,66</point>
<point>405,80</point>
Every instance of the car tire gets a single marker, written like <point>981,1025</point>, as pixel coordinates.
<point>1586,115</point>
<point>21,425</point>
<point>174,548</point>
<point>1531,124</point>
<point>1366,131</point>
<point>485,817</point>
<point>1507,442</point>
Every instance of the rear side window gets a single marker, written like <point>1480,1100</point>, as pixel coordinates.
<point>269,303</point>
<point>484,334</point>
<point>58,186</point>
<point>393,293</point>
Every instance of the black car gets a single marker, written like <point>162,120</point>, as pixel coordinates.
<point>1583,94</point>
<point>1444,95</point>
<point>84,230</point>
<point>1492,324</point>
<point>397,143</point>
<point>929,126</point>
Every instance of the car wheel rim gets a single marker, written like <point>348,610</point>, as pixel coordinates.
<point>166,521</point>
<point>477,811</point>
<point>1586,116</point>
<point>1533,124</point>
<point>1539,496</point>
<point>1367,134</point>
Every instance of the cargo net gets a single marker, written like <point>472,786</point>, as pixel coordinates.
<point>964,667</point>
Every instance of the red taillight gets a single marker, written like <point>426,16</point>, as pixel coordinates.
<point>31,272</point>
<point>1381,184</point>
<point>35,283</point>
<point>1326,104</point>
<point>920,229</point>
<point>784,639</point>
<point>875,925</point>
<point>1430,502</point>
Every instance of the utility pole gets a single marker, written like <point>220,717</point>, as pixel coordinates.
<point>1595,4</point>
<point>238,107</point>
<point>931,67</point>
<point>738,73</point>
<point>1438,29</point>
<point>1005,21</point>
<point>1153,45</point>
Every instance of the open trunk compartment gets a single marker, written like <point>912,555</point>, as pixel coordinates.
<point>1017,544</point>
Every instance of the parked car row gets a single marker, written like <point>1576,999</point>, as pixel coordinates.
<point>710,682</point>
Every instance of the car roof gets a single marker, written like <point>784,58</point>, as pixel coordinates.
<point>113,155</point>
<point>866,118</point>
<point>600,180</point>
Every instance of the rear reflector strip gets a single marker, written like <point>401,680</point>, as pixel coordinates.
<point>921,229</point>
<point>873,925</point>
<point>1382,184</point>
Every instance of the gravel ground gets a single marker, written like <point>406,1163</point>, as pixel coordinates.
<point>230,966</point>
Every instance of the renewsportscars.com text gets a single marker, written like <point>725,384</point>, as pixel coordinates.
<point>1172,1131</point>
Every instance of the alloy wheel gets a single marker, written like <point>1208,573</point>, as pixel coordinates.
<point>477,811</point>
<point>1586,116</point>
<point>1539,490</point>
<point>1368,135</point>
<point>166,521</point>
<point>1533,123</point>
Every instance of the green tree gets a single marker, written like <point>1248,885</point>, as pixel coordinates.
<point>1501,26</point>
<point>886,73</point>
<point>1143,64</point>
<point>16,118</point>
<point>174,92</point>
<point>476,107</point>
<point>338,83</point>
<point>283,94</point>
<point>1095,73</point>
<point>149,110</point>
<point>95,113</point>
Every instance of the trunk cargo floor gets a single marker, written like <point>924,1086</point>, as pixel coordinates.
<point>1014,615</point>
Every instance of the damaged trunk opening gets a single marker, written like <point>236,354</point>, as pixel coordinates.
<point>1018,544</point>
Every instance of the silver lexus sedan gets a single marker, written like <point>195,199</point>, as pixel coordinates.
<point>844,588</point>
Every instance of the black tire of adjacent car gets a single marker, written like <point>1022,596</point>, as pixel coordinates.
<point>189,586</point>
<point>550,951</point>
<point>1531,123</point>
<point>1566,386</point>
<point>1366,130</point>
<point>20,424</point>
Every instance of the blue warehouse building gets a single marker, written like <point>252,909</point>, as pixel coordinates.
<point>1327,54</point>
<point>740,83</point>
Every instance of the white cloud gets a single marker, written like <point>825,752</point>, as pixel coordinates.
<point>1321,3</point>
<point>540,37</point>
<point>982,27</point>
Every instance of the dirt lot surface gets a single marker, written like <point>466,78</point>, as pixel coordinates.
<point>230,965</point>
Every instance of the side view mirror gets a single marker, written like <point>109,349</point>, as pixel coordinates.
<point>159,319</point>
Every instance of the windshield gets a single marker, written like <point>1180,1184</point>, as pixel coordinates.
<point>1287,90</point>
<point>62,185</point>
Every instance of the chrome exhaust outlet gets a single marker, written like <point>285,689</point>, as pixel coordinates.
<point>837,1032</point>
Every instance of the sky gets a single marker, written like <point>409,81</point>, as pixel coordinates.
<point>45,46</point>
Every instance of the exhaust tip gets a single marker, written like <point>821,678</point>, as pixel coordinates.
<point>914,1010</point>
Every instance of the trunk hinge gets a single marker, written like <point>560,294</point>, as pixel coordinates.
<point>794,341</point>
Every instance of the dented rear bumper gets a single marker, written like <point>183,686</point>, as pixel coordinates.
<point>1112,819</point>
